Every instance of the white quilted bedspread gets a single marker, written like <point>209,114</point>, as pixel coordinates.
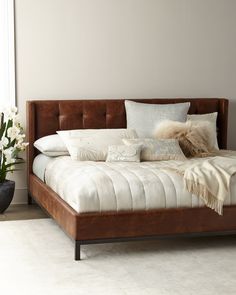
<point>101,186</point>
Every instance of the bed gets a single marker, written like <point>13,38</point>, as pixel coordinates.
<point>45,117</point>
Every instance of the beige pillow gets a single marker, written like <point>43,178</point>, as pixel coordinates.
<point>123,153</point>
<point>156,150</point>
<point>92,144</point>
<point>212,118</point>
<point>196,138</point>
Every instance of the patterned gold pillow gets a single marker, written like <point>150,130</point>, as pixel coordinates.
<point>123,153</point>
<point>156,150</point>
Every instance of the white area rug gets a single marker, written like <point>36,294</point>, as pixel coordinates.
<point>36,257</point>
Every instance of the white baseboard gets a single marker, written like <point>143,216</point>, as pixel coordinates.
<point>20,196</point>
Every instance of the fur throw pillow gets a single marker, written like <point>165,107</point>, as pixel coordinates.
<point>196,138</point>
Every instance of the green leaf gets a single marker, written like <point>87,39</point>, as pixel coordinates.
<point>12,170</point>
<point>15,163</point>
<point>2,129</point>
<point>9,124</point>
<point>11,143</point>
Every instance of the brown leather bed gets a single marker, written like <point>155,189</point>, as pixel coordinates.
<point>45,117</point>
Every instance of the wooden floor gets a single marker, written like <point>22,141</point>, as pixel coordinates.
<point>22,212</point>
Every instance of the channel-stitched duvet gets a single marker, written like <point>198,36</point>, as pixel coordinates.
<point>101,186</point>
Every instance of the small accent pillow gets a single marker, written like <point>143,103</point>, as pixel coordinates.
<point>157,150</point>
<point>211,118</point>
<point>196,139</point>
<point>52,146</point>
<point>144,117</point>
<point>124,153</point>
<point>92,144</point>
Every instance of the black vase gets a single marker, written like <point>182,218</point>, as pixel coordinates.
<point>7,189</point>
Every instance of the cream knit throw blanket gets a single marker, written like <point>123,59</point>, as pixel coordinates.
<point>209,178</point>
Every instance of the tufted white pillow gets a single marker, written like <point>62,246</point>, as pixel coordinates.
<point>144,117</point>
<point>92,144</point>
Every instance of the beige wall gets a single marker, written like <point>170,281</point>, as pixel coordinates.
<point>125,48</point>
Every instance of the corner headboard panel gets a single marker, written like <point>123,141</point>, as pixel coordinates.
<point>45,117</point>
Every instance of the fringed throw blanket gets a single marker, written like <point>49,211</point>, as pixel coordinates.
<point>209,178</point>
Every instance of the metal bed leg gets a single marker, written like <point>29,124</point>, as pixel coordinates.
<point>77,250</point>
<point>30,200</point>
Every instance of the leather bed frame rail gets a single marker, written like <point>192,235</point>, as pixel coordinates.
<point>45,117</point>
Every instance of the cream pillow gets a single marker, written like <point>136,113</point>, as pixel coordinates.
<point>52,146</point>
<point>92,144</point>
<point>195,138</point>
<point>211,118</point>
<point>143,117</point>
<point>156,150</point>
<point>123,153</point>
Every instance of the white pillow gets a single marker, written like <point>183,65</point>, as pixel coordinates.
<point>158,149</point>
<point>51,145</point>
<point>144,117</point>
<point>92,144</point>
<point>124,153</point>
<point>211,118</point>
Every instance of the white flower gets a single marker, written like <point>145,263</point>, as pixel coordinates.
<point>9,160</point>
<point>11,136</point>
<point>2,108</point>
<point>10,113</point>
<point>13,132</point>
<point>8,155</point>
<point>25,144</point>
<point>13,109</point>
<point>16,120</point>
<point>12,167</point>
<point>21,145</point>
<point>8,151</point>
<point>20,138</point>
<point>4,142</point>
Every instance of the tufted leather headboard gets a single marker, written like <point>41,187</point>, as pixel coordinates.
<point>45,117</point>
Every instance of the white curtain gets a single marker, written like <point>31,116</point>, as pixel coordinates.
<point>7,53</point>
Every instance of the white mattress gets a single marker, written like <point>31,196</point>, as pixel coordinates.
<point>39,165</point>
<point>101,186</point>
